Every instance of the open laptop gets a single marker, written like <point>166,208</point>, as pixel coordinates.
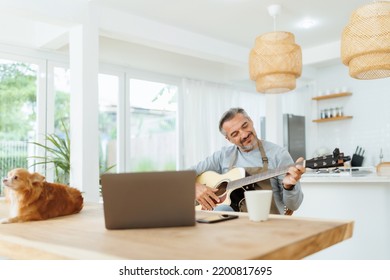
<point>149,199</point>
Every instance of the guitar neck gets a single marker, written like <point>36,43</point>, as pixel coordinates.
<point>335,160</point>
<point>261,176</point>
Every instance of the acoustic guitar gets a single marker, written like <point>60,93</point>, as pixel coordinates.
<point>233,184</point>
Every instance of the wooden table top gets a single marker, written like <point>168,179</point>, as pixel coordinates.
<point>84,236</point>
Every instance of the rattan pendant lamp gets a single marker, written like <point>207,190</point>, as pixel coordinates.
<point>275,62</point>
<point>365,43</point>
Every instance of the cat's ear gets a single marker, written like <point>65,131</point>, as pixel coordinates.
<point>37,178</point>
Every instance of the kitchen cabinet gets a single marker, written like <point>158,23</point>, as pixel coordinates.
<point>337,115</point>
<point>364,199</point>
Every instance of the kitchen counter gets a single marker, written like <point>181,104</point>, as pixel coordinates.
<point>345,178</point>
<point>362,196</point>
<point>358,175</point>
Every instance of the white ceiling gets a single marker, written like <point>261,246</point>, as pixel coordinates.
<point>240,21</point>
<point>206,28</point>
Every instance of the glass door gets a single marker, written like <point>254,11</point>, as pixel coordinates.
<point>18,114</point>
<point>153,126</point>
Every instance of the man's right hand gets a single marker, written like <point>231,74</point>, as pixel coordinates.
<point>206,196</point>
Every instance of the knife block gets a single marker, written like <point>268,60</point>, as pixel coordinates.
<point>357,160</point>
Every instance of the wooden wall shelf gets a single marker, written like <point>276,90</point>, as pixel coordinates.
<point>333,95</point>
<point>333,119</point>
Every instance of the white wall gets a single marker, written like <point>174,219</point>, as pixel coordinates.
<point>169,63</point>
<point>370,107</point>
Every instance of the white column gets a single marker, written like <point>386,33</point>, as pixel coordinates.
<point>84,110</point>
<point>274,119</point>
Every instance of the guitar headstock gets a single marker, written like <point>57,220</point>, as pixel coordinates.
<point>334,160</point>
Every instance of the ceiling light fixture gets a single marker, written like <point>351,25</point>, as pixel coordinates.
<point>275,62</point>
<point>365,42</point>
<point>307,23</point>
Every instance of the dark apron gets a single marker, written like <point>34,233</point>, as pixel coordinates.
<point>237,196</point>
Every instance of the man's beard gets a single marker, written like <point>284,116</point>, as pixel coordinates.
<point>250,147</point>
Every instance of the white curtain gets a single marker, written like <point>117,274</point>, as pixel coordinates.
<point>201,107</point>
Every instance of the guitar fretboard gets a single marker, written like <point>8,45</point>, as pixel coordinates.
<point>261,176</point>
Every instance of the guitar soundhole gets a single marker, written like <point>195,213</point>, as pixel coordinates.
<point>221,192</point>
<point>221,189</point>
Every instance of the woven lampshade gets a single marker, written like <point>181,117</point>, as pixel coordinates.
<point>365,44</point>
<point>275,62</point>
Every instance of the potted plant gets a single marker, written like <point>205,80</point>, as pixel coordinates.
<point>57,153</point>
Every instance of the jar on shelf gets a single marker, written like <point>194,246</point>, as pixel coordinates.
<point>331,113</point>
<point>341,111</point>
<point>337,112</point>
<point>326,113</point>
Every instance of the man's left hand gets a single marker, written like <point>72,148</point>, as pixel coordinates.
<point>293,175</point>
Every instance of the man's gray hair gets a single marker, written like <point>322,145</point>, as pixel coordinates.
<point>230,114</point>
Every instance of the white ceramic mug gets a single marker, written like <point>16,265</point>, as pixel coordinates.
<point>258,204</point>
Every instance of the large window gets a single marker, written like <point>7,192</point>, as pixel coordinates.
<point>137,119</point>
<point>18,107</point>
<point>108,103</point>
<point>153,119</point>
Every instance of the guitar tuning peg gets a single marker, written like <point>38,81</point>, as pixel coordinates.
<point>336,153</point>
